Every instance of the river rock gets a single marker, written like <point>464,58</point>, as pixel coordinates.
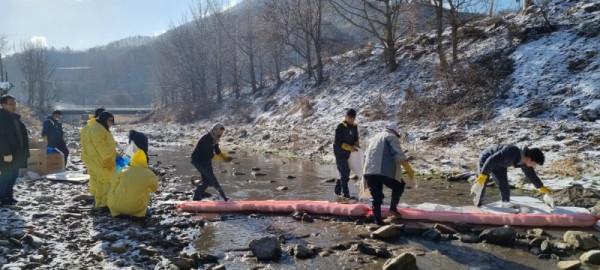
<point>258,174</point>
<point>291,177</point>
<point>536,251</point>
<point>37,258</point>
<point>500,236</point>
<point>118,247</point>
<point>387,232</point>
<point>83,197</point>
<point>203,257</point>
<point>404,261</point>
<point>182,263</point>
<point>536,242</point>
<point>536,231</point>
<point>370,250</point>
<point>302,252</point>
<point>569,265</point>
<point>11,266</point>
<point>282,188</point>
<point>444,229</point>
<point>581,240</point>
<point>266,248</point>
<point>219,267</point>
<point>33,241</point>
<point>307,218</point>
<point>591,257</point>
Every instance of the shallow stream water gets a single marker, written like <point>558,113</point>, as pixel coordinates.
<point>229,237</point>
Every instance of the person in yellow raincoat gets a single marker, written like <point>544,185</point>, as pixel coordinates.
<point>86,144</point>
<point>131,187</point>
<point>102,156</point>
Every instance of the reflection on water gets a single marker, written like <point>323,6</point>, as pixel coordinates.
<point>225,238</point>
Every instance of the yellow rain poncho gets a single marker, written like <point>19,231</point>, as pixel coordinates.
<point>85,151</point>
<point>131,186</point>
<point>101,155</point>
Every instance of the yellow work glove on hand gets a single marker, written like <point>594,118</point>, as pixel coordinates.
<point>412,183</point>
<point>45,139</point>
<point>109,164</point>
<point>548,198</point>
<point>477,188</point>
<point>8,158</point>
<point>348,147</point>
<point>226,157</point>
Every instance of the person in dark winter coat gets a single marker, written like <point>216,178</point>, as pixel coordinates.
<point>495,161</point>
<point>53,133</point>
<point>202,157</point>
<point>14,148</point>
<point>345,142</point>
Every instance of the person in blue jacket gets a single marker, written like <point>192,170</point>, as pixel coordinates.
<point>53,133</point>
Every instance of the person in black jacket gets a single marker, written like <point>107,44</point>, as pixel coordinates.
<point>53,133</point>
<point>202,157</point>
<point>495,161</point>
<point>346,141</point>
<point>14,148</point>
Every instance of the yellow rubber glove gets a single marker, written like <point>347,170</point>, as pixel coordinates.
<point>482,178</point>
<point>411,183</point>
<point>226,157</point>
<point>545,190</point>
<point>477,189</point>
<point>409,169</point>
<point>109,164</point>
<point>348,147</point>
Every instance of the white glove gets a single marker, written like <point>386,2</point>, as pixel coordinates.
<point>8,158</point>
<point>549,200</point>
<point>477,189</point>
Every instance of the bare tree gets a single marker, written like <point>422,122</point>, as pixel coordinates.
<point>301,21</point>
<point>380,18</point>
<point>439,20</point>
<point>38,66</point>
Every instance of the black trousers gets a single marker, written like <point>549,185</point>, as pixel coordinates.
<point>62,147</point>
<point>500,177</point>
<point>341,184</point>
<point>375,183</point>
<point>208,179</point>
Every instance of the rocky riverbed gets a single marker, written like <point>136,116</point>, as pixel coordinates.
<point>54,226</point>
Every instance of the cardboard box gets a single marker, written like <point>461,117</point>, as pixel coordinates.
<point>37,144</point>
<point>36,162</point>
<point>55,163</point>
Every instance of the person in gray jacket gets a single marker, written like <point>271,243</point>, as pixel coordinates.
<point>495,161</point>
<point>382,158</point>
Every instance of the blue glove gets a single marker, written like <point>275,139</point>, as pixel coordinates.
<point>121,162</point>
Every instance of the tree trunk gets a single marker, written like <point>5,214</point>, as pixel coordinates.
<point>440,31</point>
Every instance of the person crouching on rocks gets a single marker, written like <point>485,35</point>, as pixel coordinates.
<point>206,149</point>
<point>382,159</point>
<point>131,187</point>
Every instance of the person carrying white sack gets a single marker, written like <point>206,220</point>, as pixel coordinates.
<point>382,158</point>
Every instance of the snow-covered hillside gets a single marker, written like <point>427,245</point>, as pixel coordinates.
<point>550,100</point>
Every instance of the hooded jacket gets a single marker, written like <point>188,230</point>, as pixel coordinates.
<point>131,187</point>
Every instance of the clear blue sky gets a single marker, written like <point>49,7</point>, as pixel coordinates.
<point>82,24</point>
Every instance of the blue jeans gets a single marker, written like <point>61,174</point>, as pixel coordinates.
<point>7,182</point>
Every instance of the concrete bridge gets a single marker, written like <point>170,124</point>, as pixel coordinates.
<point>89,109</point>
